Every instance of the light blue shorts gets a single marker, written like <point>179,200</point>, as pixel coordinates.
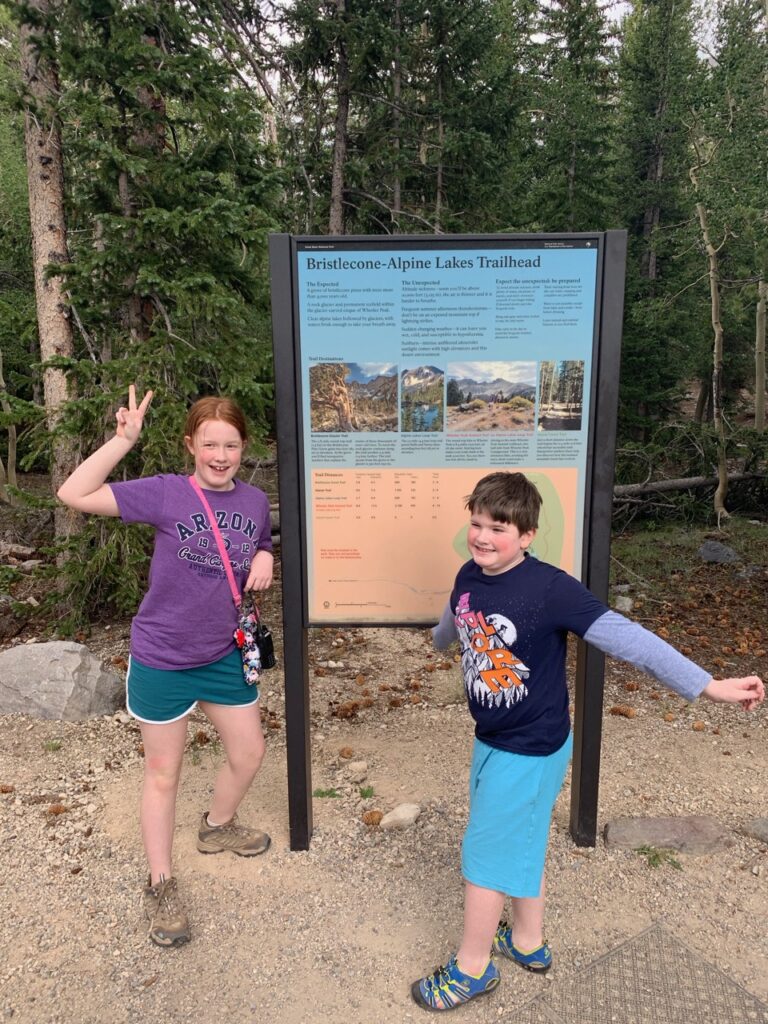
<point>511,797</point>
<point>158,696</point>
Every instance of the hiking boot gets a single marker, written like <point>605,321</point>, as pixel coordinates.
<point>245,842</point>
<point>168,924</point>
<point>447,988</point>
<point>539,959</point>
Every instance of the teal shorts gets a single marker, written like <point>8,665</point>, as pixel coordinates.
<point>158,696</point>
<point>511,797</point>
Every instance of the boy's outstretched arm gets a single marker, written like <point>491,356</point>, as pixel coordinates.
<point>747,691</point>
<point>621,638</point>
<point>444,633</point>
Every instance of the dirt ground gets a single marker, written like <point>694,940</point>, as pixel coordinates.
<point>339,932</point>
<point>490,417</point>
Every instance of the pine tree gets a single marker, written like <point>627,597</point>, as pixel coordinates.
<point>471,93</point>
<point>659,77</point>
<point>18,320</point>
<point>170,195</point>
<point>573,175</point>
<point>453,393</point>
<point>728,140</point>
<point>740,171</point>
<point>335,59</point>
<point>163,287</point>
<point>432,97</point>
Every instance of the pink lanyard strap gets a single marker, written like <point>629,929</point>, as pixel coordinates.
<point>219,543</point>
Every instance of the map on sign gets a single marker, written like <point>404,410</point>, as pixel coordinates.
<point>422,369</point>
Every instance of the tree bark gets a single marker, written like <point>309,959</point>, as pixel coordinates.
<point>683,484</point>
<point>45,174</point>
<point>713,272</point>
<point>336,218</point>
<point>701,402</point>
<point>717,362</point>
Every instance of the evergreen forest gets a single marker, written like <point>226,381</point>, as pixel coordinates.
<point>149,147</point>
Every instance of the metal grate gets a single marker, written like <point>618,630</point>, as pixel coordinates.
<point>651,979</point>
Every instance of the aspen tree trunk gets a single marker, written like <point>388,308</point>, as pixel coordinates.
<point>717,363</point>
<point>762,296</point>
<point>423,149</point>
<point>713,272</point>
<point>550,387</point>
<point>336,218</point>
<point>45,174</point>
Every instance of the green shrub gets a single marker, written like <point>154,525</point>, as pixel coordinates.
<point>520,404</point>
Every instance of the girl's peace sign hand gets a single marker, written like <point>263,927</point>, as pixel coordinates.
<point>130,420</point>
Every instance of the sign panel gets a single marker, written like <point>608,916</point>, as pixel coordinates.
<point>424,364</point>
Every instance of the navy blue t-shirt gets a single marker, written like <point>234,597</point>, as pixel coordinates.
<point>513,630</point>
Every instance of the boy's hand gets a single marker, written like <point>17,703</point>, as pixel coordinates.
<point>130,420</point>
<point>747,691</point>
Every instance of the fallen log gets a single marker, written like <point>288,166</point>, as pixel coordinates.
<point>658,486</point>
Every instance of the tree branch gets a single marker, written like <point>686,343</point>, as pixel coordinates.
<point>390,210</point>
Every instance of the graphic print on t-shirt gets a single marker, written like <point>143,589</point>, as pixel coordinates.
<point>198,547</point>
<point>492,673</point>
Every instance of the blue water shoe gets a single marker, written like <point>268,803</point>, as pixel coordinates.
<point>448,987</point>
<point>539,959</point>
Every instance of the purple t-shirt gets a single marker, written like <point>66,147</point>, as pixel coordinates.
<point>188,616</point>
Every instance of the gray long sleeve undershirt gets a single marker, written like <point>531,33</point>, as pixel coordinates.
<point>444,633</point>
<point>621,638</point>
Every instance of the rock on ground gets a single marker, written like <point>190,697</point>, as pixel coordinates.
<point>692,834</point>
<point>401,817</point>
<point>714,551</point>
<point>59,680</point>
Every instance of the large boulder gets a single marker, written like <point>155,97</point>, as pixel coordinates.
<point>60,680</point>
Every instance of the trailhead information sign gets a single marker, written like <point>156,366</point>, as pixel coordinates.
<point>406,368</point>
<point>423,363</point>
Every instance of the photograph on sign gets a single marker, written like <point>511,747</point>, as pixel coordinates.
<point>424,365</point>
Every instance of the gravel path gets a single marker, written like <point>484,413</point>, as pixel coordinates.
<point>339,932</point>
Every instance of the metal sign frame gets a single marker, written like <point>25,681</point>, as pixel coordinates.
<point>598,491</point>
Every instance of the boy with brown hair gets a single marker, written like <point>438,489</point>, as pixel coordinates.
<point>512,614</point>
